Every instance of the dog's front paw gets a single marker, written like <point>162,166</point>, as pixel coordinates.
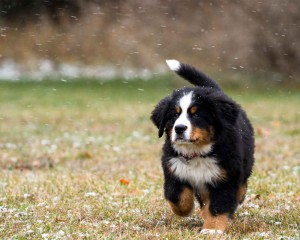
<point>211,231</point>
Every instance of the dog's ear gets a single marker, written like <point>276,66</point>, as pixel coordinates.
<point>159,115</point>
<point>224,109</point>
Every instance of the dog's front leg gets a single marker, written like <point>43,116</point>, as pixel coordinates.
<point>179,195</point>
<point>219,208</point>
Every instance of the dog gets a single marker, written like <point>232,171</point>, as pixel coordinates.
<point>208,151</point>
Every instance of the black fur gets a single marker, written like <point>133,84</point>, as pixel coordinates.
<point>233,141</point>
<point>196,77</point>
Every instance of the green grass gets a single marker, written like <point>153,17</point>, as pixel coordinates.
<point>64,146</point>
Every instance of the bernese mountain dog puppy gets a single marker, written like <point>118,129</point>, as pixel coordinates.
<point>208,151</point>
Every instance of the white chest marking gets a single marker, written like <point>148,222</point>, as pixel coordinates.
<point>197,172</point>
<point>184,104</point>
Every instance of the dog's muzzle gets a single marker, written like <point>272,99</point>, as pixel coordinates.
<point>180,134</point>
<point>179,129</point>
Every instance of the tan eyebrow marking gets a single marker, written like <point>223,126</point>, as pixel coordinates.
<point>194,109</point>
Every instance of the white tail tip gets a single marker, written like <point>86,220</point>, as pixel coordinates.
<point>173,64</point>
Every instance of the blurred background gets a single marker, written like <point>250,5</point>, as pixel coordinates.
<point>109,38</point>
<point>79,156</point>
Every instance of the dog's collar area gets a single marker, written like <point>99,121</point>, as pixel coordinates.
<point>188,158</point>
<point>188,155</point>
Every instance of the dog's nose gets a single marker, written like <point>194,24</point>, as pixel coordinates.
<point>179,129</point>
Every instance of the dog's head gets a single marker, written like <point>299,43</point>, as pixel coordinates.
<point>193,117</point>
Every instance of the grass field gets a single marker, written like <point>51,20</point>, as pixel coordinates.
<point>81,160</point>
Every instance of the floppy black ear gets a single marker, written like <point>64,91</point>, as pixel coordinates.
<point>224,108</point>
<point>159,115</point>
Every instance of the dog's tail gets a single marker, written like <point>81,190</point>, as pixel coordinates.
<point>191,74</point>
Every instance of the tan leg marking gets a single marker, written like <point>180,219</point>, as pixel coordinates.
<point>185,206</point>
<point>218,223</point>
<point>204,209</point>
<point>241,193</point>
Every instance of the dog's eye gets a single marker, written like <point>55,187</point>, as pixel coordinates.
<point>196,114</point>
<point>194,111</point>
<point>177,110</point>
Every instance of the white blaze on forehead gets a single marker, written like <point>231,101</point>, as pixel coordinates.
<point>184,103</point>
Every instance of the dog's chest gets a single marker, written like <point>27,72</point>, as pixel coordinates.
<point>197,172</point>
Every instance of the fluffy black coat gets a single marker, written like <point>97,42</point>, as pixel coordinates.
<point>232,146</point>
